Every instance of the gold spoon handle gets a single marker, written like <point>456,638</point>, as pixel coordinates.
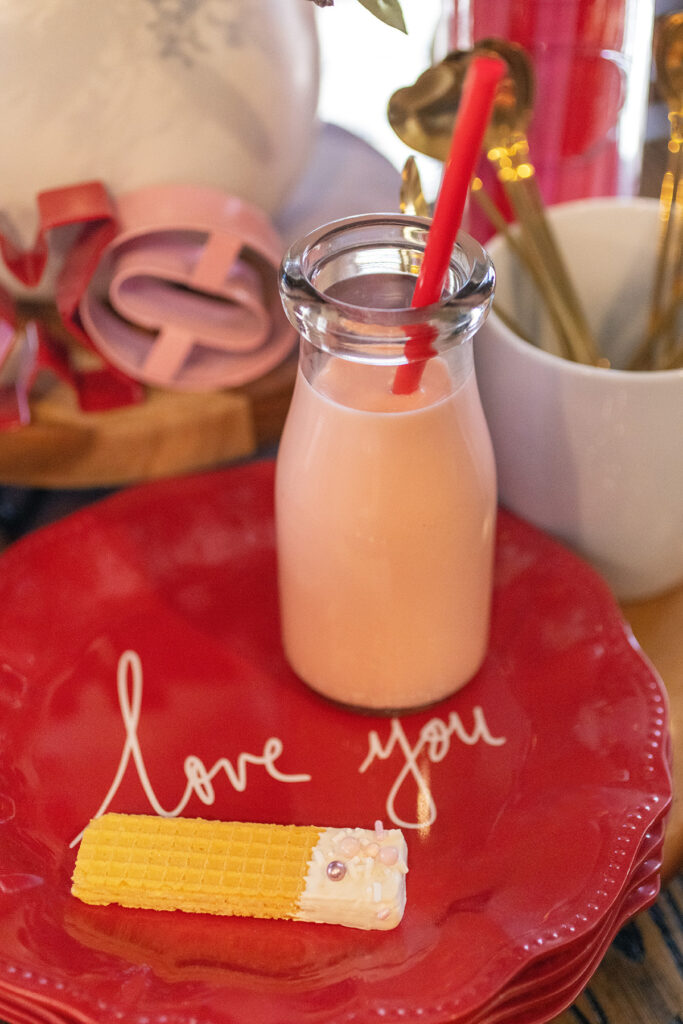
<point>659,342</point>
<point>651,354</point>
<point>534,266</point>
<point>670,202</point>
<point>672,357</point>
<point>570,321</point>
<point>669,261</point>
<point>412,199</point>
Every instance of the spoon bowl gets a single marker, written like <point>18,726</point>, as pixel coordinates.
<point>423,114</point>
<point>668,56</point>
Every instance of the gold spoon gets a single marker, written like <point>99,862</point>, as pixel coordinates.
<point>658,349</point>
<point>422,115</point>
<point>508,149</point>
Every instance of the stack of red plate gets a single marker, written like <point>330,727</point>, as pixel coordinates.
<point>141,671</point>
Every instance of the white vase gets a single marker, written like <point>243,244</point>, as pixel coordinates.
<point>142,92</point>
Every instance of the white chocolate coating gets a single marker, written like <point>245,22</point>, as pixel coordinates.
<point>365,888</point>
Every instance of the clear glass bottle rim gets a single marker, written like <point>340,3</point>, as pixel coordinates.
<point>470,269</point>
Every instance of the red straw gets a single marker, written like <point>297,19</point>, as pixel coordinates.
<point>478,93</point>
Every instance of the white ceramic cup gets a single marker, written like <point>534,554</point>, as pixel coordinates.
<point>593,456</point>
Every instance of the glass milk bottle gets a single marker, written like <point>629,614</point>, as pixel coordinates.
<point>385,501</point>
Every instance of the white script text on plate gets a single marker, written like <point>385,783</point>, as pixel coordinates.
<point>435,739</point>
<point>199,778</point>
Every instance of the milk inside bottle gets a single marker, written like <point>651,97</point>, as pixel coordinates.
<point>385,501</point>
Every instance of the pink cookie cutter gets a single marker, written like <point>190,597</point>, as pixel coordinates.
<point>185,295</point>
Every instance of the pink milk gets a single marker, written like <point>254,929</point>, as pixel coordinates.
<point>385,503</point>
<point>385,536</point>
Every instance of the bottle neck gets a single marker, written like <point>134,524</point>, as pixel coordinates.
<point>370,386</point>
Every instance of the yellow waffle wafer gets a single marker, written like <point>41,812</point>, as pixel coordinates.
<point>303,872</point>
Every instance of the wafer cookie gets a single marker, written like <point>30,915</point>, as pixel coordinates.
<point>349,876</point>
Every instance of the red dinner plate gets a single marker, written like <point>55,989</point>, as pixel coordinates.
<point>548,992</point>
<point>568,961</point>
<point>141,671</point>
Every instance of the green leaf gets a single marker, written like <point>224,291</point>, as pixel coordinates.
<point>388,11</point>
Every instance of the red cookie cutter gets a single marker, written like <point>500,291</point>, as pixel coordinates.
<point>25,353</point>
